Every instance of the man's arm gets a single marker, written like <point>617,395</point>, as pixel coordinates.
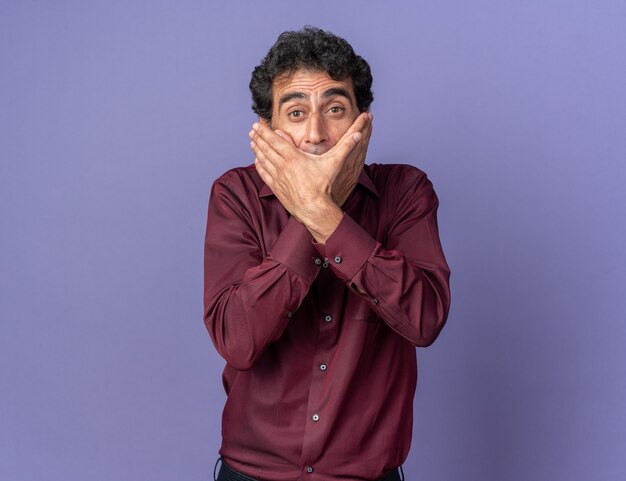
<point>248,297</point>
<point>406,281</point>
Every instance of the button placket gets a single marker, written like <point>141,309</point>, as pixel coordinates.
<point>323,348</point>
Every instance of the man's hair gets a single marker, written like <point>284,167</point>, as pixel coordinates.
<point>310,49</point>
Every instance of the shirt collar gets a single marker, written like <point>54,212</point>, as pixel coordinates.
<point>364,180</point>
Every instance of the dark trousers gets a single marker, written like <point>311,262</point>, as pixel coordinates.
<point>229,474</point>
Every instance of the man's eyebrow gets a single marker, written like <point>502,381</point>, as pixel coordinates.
<point>337,91</point>
<point>327,93</point>
<point>290,96</point>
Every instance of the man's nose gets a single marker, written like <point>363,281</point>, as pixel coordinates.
<point>316,129</point>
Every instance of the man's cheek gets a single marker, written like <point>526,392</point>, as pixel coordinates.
<point>340,131</point>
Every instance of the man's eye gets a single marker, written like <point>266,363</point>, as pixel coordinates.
<point>295,114</point>
<point>336,110</point>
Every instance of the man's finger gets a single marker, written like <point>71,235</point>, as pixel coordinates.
<point>357,156</point>
<point>263,160</point>
<point>353,135</point>
<point>265,177</point>
<point>285,136</point>
<point>367,134</point>
<point>360,123</point>
<point>259,145</point>
<point>345,145</point>
<point>278,143</point>
<point>368,128</point>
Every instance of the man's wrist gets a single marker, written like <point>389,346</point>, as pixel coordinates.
<point>322,220</point>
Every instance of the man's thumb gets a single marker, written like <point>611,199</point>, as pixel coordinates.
<point>350,142</point>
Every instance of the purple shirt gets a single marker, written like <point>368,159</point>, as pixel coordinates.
<point>320,375</point>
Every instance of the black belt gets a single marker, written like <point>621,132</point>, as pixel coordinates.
<point>229,474</point>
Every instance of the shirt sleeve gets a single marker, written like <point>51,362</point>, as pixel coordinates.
<point>406,281</point>
<point>249,297</point>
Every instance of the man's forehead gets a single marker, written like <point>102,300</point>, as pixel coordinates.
<point>308,80</point>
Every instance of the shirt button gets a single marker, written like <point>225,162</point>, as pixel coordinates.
<point>289,314</point>
<point>309,469</point>
<point>374,301</point>
<point>323,367</point>
<point>318,261</point>
<point>337,259</point>
<point>328,318</point>
<point>325,264</point>
<point>315,417</point>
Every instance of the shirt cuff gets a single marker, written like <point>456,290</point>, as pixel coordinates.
<point>347,249</point>
<point>294,249</point>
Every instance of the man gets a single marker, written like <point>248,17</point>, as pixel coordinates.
<point>322,275</point>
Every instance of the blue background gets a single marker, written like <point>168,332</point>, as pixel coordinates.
<point>115,118</point>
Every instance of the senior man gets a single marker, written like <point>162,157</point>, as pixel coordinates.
<point>322,275</point>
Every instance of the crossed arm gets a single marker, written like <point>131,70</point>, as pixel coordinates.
<point>249,296</point>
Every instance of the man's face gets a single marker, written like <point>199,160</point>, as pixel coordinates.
<point>313,109</point>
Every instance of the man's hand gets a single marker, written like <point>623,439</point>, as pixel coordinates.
<point>312,187</point>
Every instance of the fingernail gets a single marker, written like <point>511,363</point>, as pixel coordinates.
<point>251,134</point>
<point>255,126</point>
<point>252,144</point>
<point>357,136</point>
